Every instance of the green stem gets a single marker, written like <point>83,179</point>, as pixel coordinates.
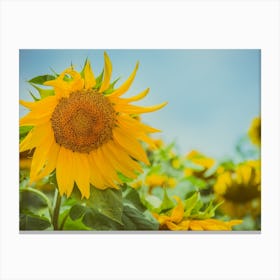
<point>56,211</point>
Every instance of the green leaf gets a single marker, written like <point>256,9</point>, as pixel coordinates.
<point>132,196</point>
<point>208,213</point>
<point>152,202</point>
<point>77,211</point>
<point>40,80</point>
<point>111,87</point>
<point>197,182</point>
<point>67,223</point>
<point>33,200</point>
<point>43,92</point>
<point>133,219</point>
<point>191,203</point>
<point>75,225</point>
<point>107,202</point>
<point>97,221</point>
<point>29,221</point>
<point>166,204</point>
<point>99,80</point>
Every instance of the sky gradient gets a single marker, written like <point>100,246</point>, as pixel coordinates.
<point>212,95</point>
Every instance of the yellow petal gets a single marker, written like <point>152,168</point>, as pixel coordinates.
<point>51,160</point>
<point>178,212</point>
<point>35,136</point>
<point>126,85</point>
<point>131,109</point>
<point>136,131</point>
<point>107,73</point>
<point>109,168</point>
<point>181,226</point>
<point>137,97</point>
<point>63,176</point>
<point>234,223</point>
<point>39,156</point>
<point>42,106</point>
<point>33,118</point>
<point>89,76</point>
<point>95,177</point>
<point>82,173</point>
<point>108,175</point>
<point>122,162</point>
<point>195,225</point>
<point>130,144</point>
<point>130,123</point>
<point>64,88</point>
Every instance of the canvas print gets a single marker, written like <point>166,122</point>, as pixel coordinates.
<point>139,140</point>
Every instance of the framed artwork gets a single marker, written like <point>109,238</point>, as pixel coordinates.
<point>91,159</point>
<point>130,140</point>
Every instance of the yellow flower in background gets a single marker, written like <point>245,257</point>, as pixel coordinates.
<point>155,144</point>
<point>86,131</point>
<point>176,221</point>
<point>202,162</point>
<point>200,159</point>
<point>176,163</point>
<point>159,180</point>
<point>240,190</point>
<point>255,131</point>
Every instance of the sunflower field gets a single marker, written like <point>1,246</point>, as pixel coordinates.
<point>89,163</point>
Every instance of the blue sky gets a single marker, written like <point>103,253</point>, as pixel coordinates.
<point>212,95</point>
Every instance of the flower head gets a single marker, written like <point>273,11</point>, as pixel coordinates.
<point>86,131</point>
<point>240,190</point>
<point>201,162</point>
<point>255,131</point>
<point>177,221</point>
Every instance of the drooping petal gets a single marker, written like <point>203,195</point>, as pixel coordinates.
<point>42,106</point>
<point>63,176</point>
<point>178,212</point>
<point>126,85</point>
<point>137,97</point>
<point>131,109</point>
<point>64,88</point>
<point>39,156</point>
<point>122,162</point>
<point>108,175</point>
<point>82,173</point>
<point>89,76</point>
<point>35,136</point>
<point>137,130</point>
<point>33,118</point>
<point>195,225</point>
<point>51,160</point>
<point>129,122</point>
<point>131,145</point>
<point>107,73</point>
<point>95,177</point>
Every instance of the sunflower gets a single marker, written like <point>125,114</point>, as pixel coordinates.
<point>240,190</point>
<point>159,180</point>
<point>86,131</point>
<point>201,164</point>
<point>255,131</point>
<point>176,221</point>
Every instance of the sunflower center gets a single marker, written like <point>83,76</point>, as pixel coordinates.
<point>84,121</point>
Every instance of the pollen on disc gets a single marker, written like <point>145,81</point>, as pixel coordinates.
<point>83,122</point>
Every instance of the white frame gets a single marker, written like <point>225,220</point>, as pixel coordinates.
<point>149,24</point>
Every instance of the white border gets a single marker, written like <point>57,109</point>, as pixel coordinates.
<point>147,24</point>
